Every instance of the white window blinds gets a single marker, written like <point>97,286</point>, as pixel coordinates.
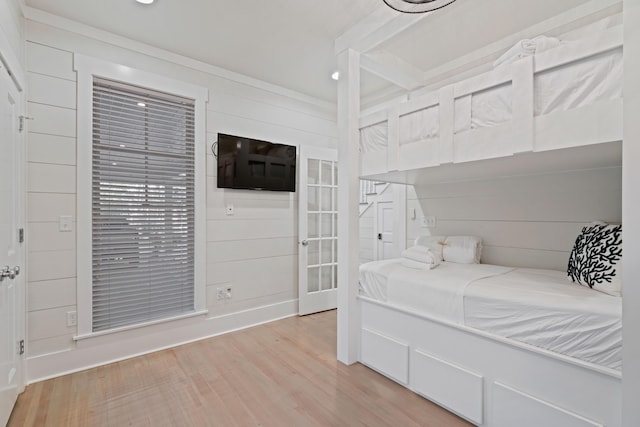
<point>142,205</point>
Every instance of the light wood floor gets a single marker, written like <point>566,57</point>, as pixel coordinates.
<point>280,374</point>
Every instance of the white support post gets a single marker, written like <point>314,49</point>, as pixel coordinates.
<point>447,120</point>
<point>348,206</point>
<point>631,217</point>
<point>522,105</point>
<point>393,139</point>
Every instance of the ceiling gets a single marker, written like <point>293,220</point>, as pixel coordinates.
<point>290,43</point>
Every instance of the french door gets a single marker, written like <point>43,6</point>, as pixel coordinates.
<point>318,230</point>
<point>11,255</point>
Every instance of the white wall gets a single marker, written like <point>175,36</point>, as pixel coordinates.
<point>254,251</point>
<point>631,217</point>
<point>528,221</point>
<point>10,26</point>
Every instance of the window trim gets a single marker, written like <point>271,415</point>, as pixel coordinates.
<point>86,68</point>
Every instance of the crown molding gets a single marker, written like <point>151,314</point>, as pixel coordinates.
<point>42,17</point>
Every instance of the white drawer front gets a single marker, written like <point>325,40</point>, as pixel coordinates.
<point>385,355</point>
<point>512,407</point>
<point>451,386</point>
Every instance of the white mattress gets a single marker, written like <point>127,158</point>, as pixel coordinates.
<point>537,307</point>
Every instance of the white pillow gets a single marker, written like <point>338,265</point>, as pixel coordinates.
<point>458,249</point>
<point>462,249</point>
<point>433,243</point>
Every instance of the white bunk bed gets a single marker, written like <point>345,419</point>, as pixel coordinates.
<point>553,370</point>
<point>481,376</point>
<point>563,98</point>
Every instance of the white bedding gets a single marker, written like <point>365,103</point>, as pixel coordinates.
<point>537,307</point>
<point>419,125</point>
<point>579,83</point>
<point>374,138</point>
<point>574,85</point>
<point>443,297</point>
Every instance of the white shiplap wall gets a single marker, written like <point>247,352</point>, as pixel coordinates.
<point>528,221</point>
<point>10,28</point>
<point>254,251</point>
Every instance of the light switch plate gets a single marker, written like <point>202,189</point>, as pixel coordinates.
<point>65,223</point>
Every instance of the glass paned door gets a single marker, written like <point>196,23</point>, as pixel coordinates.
<point>318,230</point>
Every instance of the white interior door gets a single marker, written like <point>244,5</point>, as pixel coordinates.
<point>11,281</point>
<point>317,230</point>
<point>385,227</point>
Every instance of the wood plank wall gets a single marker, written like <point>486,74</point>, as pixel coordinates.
<point>254,251</point>
<point>528,221</point>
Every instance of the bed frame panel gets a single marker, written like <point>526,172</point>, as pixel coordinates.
<point>486,379</point>
<point>597,123</point>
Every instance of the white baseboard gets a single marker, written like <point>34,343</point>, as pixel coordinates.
<point>115,347</point>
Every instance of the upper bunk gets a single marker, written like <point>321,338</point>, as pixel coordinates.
<point>557,109</point>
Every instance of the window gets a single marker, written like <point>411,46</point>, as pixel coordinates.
<point>142,205</point>
<point>140,198</point>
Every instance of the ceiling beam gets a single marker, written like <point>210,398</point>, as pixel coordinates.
<point>393,69</point>
<point>375,29</point>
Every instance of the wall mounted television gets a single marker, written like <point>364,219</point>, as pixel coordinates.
<point>252,164</point>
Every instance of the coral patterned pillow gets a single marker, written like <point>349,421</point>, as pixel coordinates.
<point>596,258</point>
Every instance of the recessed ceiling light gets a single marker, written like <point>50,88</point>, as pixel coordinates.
<point>335,75</point>
<point>141,104</point>
<point>145,1</point>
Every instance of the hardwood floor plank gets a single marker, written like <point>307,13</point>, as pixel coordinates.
<point>283,373</point>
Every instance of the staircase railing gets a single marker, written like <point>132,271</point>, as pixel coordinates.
<point>366,187</point>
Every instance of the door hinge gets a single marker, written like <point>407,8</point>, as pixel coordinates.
<point>21,347</point>
<point>21,235</point>
<point>21,124</point>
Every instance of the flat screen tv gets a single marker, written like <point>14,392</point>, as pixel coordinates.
<point>252,164</point>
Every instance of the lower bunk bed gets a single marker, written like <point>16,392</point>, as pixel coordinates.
<point>498,346</point>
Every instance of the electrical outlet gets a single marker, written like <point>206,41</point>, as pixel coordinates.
<point>220,293</point>
<point>428,222</point>
<point>72,319</point>
<point>228,294</point>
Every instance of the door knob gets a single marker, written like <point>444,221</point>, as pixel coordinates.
<point>379,236</point>
<point>9,272</point>
<point>304,242</point>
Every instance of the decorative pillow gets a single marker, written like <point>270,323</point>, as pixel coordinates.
<point>596,258</point>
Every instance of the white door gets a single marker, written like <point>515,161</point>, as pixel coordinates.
<point>386,247</point>
<point>11,284</point>
<point>317,230</point>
